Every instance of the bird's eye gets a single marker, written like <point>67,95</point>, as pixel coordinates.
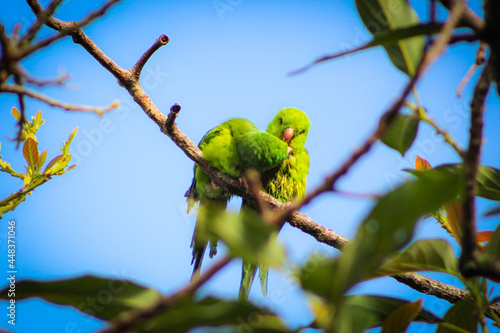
<point>302,132</point>
<point>281,121</point>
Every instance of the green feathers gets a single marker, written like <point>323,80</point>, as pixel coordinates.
<point>231,147</point>
<point>234,146</point>
<point>285,182</point>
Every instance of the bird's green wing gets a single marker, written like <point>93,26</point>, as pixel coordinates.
<point>219,148</point>
<point>285,182</point>
<point>261,150</point>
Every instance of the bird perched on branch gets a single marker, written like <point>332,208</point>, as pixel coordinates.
<point>232,147</point>
<point>286,182</point>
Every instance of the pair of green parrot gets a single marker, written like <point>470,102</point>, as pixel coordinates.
<point>234,146</point>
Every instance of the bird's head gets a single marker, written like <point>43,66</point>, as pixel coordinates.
<point>292,126</point>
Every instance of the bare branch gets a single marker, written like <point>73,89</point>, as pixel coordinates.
<point>41,17</point>
<point>20,90</point>
<point>90,17</point>
<point>468,18</point>
<point>159,42</point>
<point>174,111</point>
<point>471,161</point>
<point>480,59</point>
<point>59,81</point>
<point>130,320</point>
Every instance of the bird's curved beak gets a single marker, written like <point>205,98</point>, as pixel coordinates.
<point>287,135</point>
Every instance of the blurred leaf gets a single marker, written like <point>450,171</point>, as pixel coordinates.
<point>493,248</point>
<point>213,312</point>
<point>98,297</point>
<point>399,319</point>
<point>424,255</point>
<point>30,153</point>
<point>452,222</point>
<point>484,236</point>
<point>401,133</point>
<point>422,164</point>
<point>488,179</point>
<point>316,275</point>
<point>15,112</point>
<point>359,313</point>
<point>248,237</point>
<point>462,315</point>
<point>493,211</point>
<point>381,16</point>
<point>390,225</point>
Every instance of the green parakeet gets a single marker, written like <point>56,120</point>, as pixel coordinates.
<point>285,182</point>
<point>231,147</point>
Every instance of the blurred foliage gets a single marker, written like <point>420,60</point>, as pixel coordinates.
<point>35,174</point>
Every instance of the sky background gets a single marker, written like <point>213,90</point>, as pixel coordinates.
<point>122,213</point>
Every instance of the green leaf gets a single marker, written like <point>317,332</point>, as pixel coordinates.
<point>316,274</point>
<point>402,132</point>
<point>98,297</point>
<point>41,158</point>
<point>248,237</point>
<point>66,144</point>
<point>424,255</point>
<point>461,317</point>
<point>213,312</point>
<point>30,152</point>
<point>493,248</point>
<point>380,16</point>
<point>488,179</point>
<point>390,225</point>
<point>361,312</point>
<point>53,162</point>
<point>400,319</point>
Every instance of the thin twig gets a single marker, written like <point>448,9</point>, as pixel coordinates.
<point>22,108</point>
<point>471,162</point>
<point>480,59</point>
<point>134,318</point>
<point>159,42</point>
<point>468,18</point>
<point>59,81</point>
<point>445,134</point>
<point>38,24</point>
<point>20,90</point>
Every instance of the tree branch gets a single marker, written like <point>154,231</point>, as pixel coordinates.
<point>21,91</point>
<point>469,18</point>
<point>471,161</point>
<point>160,41</point>
<point>41,17</point>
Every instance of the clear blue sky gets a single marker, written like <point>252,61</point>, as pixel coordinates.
<point>121,213</point>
